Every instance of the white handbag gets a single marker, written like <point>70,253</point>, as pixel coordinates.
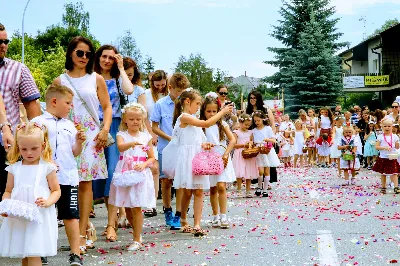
<point>20,209</point>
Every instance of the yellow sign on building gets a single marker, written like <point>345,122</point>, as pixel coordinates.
<point>377,80</point>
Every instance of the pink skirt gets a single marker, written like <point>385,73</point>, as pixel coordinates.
<point>244,168</point>
<point>385,166</point>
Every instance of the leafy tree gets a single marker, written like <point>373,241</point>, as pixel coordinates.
<point>76,17</point>
<point>314,77</point>
<point>295,15</point>
<point>127,46</point>
<point>219,77</point>
<point>387,25</point>
<point>148,67</point>
<point>196,70</point>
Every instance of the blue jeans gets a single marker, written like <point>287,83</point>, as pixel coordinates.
<point>101,188</point>
<point>160,166</point>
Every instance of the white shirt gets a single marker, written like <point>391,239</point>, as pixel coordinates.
<point>391,117</point>
<point>265,133</point>
<point>212,134</point>
<point>62,134</point>
<point>286,126</point>
<point>385,143</point>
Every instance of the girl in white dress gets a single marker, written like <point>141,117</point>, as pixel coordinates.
<point>33,180</point>
<point>261,135</point>
<point>287,148</point>
<point>337,135</point>
<point>218,135</point>
<point>133,185</point>
<point>191,140</point>
<point>299,141</point>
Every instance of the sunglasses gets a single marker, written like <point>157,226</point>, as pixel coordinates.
<point>395,107</point>
<point>6,41</point>
<point>80,53</point>
<point>222,93</point>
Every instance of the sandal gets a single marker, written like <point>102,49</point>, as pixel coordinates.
<point>269,187</point>
<point>197,232</point>
<point>187,229</point>
<point>397,190</point>
<point>83,249</point>
<point>91,236</point>
<point>134,247</point>
<point>122,222</point>
<point>150,212</point>
<point>383,190</point>
<point>111,238</point>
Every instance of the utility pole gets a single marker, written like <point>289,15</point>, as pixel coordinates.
<point>23,32</point>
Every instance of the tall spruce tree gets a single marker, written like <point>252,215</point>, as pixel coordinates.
<point>295,15</point>
<point>314,77</point>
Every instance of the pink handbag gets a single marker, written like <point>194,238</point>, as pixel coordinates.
<point>207,163</point>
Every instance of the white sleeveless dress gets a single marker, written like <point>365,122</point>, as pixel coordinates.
<point>138,195</point>
<point>92,162</point>
<point>21,238</point>
<point>335,153</point>
<point>189,140</point>
<point>228,175</point>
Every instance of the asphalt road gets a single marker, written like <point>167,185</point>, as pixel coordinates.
<point>307,220</point>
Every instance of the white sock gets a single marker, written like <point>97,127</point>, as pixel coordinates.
<point>223,216</point>
<point>266,182</point>
<point>216,217</point>
<point>260,181</point>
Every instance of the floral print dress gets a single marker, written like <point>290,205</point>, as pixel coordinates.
<point>91,163</point>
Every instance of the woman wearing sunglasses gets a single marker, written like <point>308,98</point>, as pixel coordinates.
<point>231,119</point>
<point>90,91</point>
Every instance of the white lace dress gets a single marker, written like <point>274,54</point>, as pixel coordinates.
<point>20,238</point>
<point>228,175</point>
<point>140,194</point>
<point>189,142</point>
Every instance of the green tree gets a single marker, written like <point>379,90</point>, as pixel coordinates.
<point>126,45</point>
<point>76,17</point>
<point>196,70</point>
<point>295,14</point>
<point>219,77</point>
<point>314,77</point>
<point>148,67</point>
<point>387,25</point>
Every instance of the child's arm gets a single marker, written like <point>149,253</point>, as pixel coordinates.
<point>150,158</point>
<point>193,121</point>
<point>271,119</point>
<point>270,140</point>
<point>159,132</point>
<point>79,139</point>
<point>381,148</point>
<point>333,132</point>
<point>232,141</point>
<point>237,146</point>
<point>124,146</point>
<point>55,194</point>
<point>9,186</point>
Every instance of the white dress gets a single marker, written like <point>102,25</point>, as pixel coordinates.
<point>298,142</point>
<point>287,149</point>
<point>335,153</point>
<point>91,162</point>
<point>189,143</point>
<point>349,164</point>
<point>259,136</point>
<point>273,158</point>
<point>19,238</point>
<point>228,175</point>
<point>141,194</point>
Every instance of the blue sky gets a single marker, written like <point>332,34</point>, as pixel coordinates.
<point>230,34</point>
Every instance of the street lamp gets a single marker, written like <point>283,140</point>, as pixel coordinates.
<point>23,32</point>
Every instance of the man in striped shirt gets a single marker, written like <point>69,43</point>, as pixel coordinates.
<point>16,84</point>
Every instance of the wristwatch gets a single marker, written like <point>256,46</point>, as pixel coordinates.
<point>4,124</point>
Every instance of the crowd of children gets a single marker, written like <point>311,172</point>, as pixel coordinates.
<point>187,124</point>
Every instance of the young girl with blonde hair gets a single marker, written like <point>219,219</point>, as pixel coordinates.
<point>31,179</point>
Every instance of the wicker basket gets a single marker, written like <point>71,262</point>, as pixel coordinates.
<point>250,152</point>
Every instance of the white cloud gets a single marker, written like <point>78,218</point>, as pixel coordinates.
<point>349,7</point>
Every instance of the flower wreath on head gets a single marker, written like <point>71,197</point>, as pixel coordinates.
<point>129,105</point>
<point>241,119</point>
<point>189,89</point>
<point>212,95</point>
<point>261,114</point>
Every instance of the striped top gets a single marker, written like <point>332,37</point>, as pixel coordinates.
<point>16,84</point>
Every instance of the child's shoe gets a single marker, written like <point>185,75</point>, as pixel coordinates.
<point>135,246</point>
<point>248,194</point>
<point>258,192</point>
<point>168,217</point>
<point>216,223</point>
<point>265,194</point>
<point>224,224</point>
<point>176,223</point>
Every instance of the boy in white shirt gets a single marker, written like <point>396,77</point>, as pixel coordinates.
<point>66,143</point>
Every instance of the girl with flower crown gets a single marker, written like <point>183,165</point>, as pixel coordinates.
<point>133,186</point>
